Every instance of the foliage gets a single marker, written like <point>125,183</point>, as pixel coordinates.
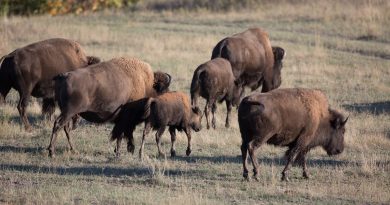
<point>57,7</point>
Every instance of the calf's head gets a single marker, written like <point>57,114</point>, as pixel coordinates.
<point>337,123</point>
<point>196,119</point>
<point>161,82</point>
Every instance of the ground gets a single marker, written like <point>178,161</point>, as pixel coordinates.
<point>342,48</point>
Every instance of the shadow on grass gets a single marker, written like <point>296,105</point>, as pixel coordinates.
<point>263,160</point>
<point>9,148</point>
<point>375,108</point>
<point>92,170</point>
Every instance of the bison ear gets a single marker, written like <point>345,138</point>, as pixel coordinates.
<point>196,110</point>
<point>279,53</point>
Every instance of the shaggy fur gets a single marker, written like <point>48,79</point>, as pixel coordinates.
<point>30,70</point>
<point>297,118</point>
<point>171,109</point>
<point>214,81</point>
<point>252,58</point>
<point>98,90</point>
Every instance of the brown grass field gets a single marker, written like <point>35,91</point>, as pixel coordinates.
<point>340,47</point>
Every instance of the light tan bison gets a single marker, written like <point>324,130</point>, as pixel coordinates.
<point>30,71</point>
<point>97,92</point>
<point>297,118</point>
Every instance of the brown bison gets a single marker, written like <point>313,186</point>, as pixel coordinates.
<point>30,71</point>
<point>97,92</point>
<point>253,59</point>
<point>131,114</point>
<point>214,81</point>
<point>297,118</point>
<point>171,109</point>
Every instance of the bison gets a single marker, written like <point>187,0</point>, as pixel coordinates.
<point>97,92</point>
<point>214,81</point>
<point>253,59</point>
<point>131,114</point>
<point>30,71</point>
<point>297,118</point>
<point>171,109</point>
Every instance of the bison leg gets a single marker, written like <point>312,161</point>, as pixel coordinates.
<point>146,131</point>
<point>22,107</point>
<point>244,154</point>
<point>213,110</point>
<point>130,141</point>
<point>291,155</point>
<point>172,131</point>
<point>67,130</point>
<point>252,147</point>
<point>229,109</point>
<point>118,146</point>
<point>59,123</point>
<point>302,162</point>
<point>207,112</point>
<point>159,133</point>
<point>48,108</point>
<point>188,133</point>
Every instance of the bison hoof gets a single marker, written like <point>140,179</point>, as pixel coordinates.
<point>306,175</point>
<point>285,178</point>
<point>208,127</point>
<point>51,154</point>
<point>227,125</point>
<point>173,153</point>
<point>188,152</point>
<point>131,148</point>
<point>161,155</point>
<point>28,128</point>
<point>246,176</point>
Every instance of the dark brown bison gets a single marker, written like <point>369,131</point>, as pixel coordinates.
<point>297,118</point>
<point>30,71</point>
<point>214,81</point>
<point>97,92</point>
<point>253,59</point>
<point>171,109</point>
<point>131,114</point>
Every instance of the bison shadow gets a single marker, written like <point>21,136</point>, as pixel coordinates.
<point>279,161</point>
<point>92,170</point>
<point>33,150</point>
<point>375,108</point>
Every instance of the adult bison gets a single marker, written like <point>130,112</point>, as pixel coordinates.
<point>297,118</point>
<point>30,71</point>
<point>215,82</point>
<point>253,59</point>
<point>97,92</point>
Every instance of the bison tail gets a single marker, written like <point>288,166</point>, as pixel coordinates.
<point>217,51</point>
<point>147,109</point>
<point>195,85</point>
<point>93,60</point>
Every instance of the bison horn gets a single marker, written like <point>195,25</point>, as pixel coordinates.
<point>169,78</point>
<point>344,122</point>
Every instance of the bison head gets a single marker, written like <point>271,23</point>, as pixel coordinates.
<point>273,79</point>
<point>196,119</point>
<point>161,82</point>
<point>337,123</point>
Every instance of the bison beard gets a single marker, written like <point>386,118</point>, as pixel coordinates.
<point>297,118</point>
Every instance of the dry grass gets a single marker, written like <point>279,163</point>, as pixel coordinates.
<point>323,51</point>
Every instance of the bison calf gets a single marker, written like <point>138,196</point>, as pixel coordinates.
<point>131,114</point>
<point>171,109</point>
<point>297,118</point>
<point>214,81</point>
